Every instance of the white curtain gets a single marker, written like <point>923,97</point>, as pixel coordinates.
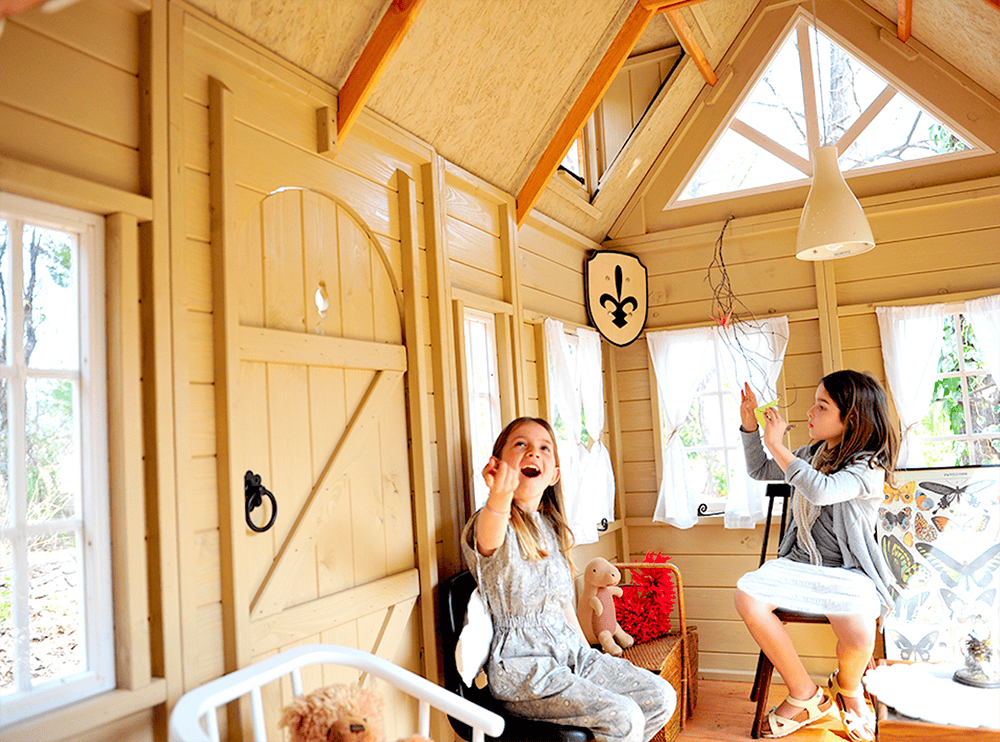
<point>680,358</point>
<point>984,315</point>
<point>751,352</point>
<point>588,484</point>
<point>911,347</point>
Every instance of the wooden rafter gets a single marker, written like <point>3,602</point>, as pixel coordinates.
<point>371,64</point>
<point>690,45</point>
<point>904,19</point>
<point>585,104</point>
<point>597,86</point>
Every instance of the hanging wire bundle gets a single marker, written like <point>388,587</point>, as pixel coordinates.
<point>735,319</point>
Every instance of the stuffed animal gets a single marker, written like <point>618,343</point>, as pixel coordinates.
<point>596,609</point>
<point>338,713</point>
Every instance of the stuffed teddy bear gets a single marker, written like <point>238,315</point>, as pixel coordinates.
<point>596,609</point>
<point>338,713</point>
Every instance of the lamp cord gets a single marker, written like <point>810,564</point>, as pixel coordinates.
<point>819,79</point>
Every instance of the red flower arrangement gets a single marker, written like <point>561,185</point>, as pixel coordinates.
<point>644,607</point>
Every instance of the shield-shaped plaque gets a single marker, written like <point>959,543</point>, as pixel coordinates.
<point>616,295</point>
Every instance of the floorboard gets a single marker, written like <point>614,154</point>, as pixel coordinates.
<point>725,714</point>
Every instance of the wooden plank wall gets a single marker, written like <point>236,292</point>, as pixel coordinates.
<point>59,146</point>
<point>934,245</point>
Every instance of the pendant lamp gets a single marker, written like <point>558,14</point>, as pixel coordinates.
<point>833,224</point>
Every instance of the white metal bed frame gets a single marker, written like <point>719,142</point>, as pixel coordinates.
<point>199,705</point>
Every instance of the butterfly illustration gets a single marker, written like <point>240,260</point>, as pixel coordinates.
<point>925,502</point>
<point>980,570</point>
<point>976,523</point>
<point>908,573</point>
<point>950,495</point>
<point>908,539</point>
<point>963,611</point>
<point>905,609</point>
<point>907,649</point>
<point>904,493</point>
<point>888,519</point>
<point>923,529</point>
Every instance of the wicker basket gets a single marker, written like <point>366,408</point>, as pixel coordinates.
<point>676,661</point>
<point>663,656</point>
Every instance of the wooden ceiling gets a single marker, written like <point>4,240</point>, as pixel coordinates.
<point>502,87</point>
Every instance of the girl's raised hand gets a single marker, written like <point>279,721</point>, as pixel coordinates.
<point>501,478</point>
<point>774,428</point>
<point>748,403</point>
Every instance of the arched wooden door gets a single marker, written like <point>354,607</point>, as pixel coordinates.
<point>315,405</point>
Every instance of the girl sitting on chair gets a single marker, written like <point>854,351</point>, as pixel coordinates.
<point>540,664</point>
<point>828,562</point>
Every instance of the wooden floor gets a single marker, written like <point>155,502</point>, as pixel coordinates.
<point>725,713</point>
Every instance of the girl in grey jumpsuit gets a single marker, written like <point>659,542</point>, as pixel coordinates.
<point>540,666</point>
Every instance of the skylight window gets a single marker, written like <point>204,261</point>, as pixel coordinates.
<point>768,141</point>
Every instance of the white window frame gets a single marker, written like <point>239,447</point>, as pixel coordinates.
<point>955,311</point>
<point>92,523</point>
<point>477,394</point>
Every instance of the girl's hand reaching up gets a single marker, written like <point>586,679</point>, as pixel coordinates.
<point>502,480</point>
<point>774,429</point>
<point>748,403</point>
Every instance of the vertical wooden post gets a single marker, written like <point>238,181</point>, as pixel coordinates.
<point>225,317</point>
<point>125,455</point>
<point>420,451</point>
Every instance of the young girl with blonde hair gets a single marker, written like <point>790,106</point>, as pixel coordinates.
<point>540,664</point>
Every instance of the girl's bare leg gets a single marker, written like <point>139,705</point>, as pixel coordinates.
<point>855,642</point>
<point>773,639</point>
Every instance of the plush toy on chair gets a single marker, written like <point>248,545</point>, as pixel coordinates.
<point>338,713</point>
<point>596,609</point>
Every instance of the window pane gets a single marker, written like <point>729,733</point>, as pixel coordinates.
<point>776,106</point>
<point>51,321</point>
<point>4,286</point>
<point>847,87</point>
<point>6,618</point>
<point>984,401</point>
<point>736,163</point>
<point>901,132</point>
<point>56,613</point>
<point>52,454</point>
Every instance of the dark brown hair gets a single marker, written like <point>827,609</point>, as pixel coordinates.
<point>550,507</point>
<point>868,428</point>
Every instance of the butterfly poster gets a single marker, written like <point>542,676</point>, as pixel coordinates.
<point>939,533</point>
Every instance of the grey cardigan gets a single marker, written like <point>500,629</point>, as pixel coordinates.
<point>853,495</point>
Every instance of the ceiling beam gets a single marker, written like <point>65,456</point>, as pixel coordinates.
<point>595,89</point>
<point>690,44</point>
<point>904,19</point>
<point>360,83</point>
<point>585,104</point>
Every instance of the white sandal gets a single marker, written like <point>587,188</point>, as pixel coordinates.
<point>780,726</point>
<point>857,725</point>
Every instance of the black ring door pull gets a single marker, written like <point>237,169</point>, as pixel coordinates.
<point>254,493</point>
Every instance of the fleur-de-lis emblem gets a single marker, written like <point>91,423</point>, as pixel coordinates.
<point>615,286</point>
<point>619,315</point>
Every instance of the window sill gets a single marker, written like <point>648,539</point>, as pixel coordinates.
<point>574,196</point>
<point>71,722</point>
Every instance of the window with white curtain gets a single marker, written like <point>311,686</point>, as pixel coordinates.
<point>483,392</point>
<point>699,372</point>
<point>948,404</point>
<point>576,411</point>
<point>56,628</point>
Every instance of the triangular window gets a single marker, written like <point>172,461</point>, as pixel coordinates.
<point>769,139</point>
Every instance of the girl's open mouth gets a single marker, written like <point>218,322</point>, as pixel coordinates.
<point>530,470</point>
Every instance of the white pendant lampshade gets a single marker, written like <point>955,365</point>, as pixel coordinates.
<point>833,224</point>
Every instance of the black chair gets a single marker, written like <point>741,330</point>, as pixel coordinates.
<point>765,669</point>
<point>454,596</point>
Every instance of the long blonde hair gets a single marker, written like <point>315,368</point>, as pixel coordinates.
<point>551,506</point>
